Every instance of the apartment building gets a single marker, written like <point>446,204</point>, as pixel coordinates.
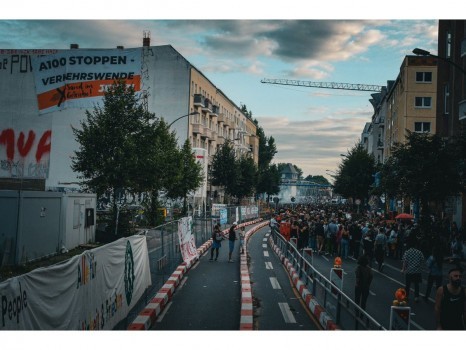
<point>411,102</point>
<point>36,138</point>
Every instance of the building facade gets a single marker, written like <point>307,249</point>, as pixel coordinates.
<point>44,93</point>
<point>411,102</point>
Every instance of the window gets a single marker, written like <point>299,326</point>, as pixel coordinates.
<point>423,77</point>
<point>446,98</point>
<point>423,102</point>
<point>448,47</point>
<point>421,127</point>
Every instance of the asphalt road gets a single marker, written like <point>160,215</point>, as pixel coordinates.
<point>382,290</point>
<point>277,303</point>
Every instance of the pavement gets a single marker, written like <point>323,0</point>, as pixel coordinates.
<point>204,295</point>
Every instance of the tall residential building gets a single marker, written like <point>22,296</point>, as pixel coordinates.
<point>451,82</point>
<point>411,102</point>
<point>451,96</point>
<point>44,93</point>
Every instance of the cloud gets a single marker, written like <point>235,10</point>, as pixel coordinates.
<point>314,145</point>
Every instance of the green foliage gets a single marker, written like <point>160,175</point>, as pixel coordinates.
<point>223,170</point>
<point>423,168</point>
<point>189,176</point>
<point>354,175</point>
<point>247,179</point>
<point>318,179</point>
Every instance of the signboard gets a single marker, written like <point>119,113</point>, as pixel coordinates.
<point>186,238</point>
<point>223,216</point>
<point>400,318</point>
<point>91,291</point>
<point>336,278</point>
<point>216,208</point>
<point>80,78</point>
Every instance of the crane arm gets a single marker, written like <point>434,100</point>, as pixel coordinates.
<point>324,85</point>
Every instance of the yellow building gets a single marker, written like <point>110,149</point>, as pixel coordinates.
<point>411,101</point>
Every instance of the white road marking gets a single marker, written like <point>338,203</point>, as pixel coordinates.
<point>325,257</point>
<point>183,281</point>
<point>267,234</point>
<point>286,312</point>
<point>268,265</point>
<point>266,253</point>
<point>371,292</point>
<point>274,282</point>
<point>160,318</point>
<point>264,245</point>
<point>264,240</point>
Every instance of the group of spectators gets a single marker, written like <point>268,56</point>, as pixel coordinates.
<point>368,237</point>
<point>337,231</point>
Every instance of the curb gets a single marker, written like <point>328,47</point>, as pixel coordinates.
<point>318,311</point>
<point>246,321</point>
<point>148,316</point>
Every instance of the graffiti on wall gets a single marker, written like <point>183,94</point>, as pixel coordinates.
<point>25,153</point>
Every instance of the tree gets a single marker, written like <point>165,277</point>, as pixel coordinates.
<point>189,176</point>
<point>223,169</point>
<point>270,183</point>
<point>354,175</point>
<point>318,179</point>
<point>425,169</point>
<point>247,180</point>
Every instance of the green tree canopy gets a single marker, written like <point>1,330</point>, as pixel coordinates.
<point>354,176</point>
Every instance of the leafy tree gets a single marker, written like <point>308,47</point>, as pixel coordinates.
<point>247,180</point>
<point>318,179</point>
<point>189,176</point>
<point>223,170</point>
<point>271,181</point>
<point>425,169</point>
<point>354,178</point>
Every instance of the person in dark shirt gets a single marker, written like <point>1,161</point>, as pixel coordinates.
<point>363,282</point>
<point>450,306</point>
<point>231,240</point>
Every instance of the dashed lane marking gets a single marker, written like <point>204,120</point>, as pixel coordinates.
<point>164,312</point>
<point>264,245</point>
<point>286,312</point>
<point>266,253</point>
<point>268,265</point>
<point>274,282</point>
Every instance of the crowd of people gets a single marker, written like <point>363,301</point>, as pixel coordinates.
<point>370,237</point>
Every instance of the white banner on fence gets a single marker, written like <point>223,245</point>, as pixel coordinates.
<point>94,290</point>
<point>186,237</point>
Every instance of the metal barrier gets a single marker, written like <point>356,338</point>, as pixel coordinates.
<point>165,255</point>
<point>344,311</point>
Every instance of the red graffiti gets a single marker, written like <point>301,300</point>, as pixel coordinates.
<point>7,138</point>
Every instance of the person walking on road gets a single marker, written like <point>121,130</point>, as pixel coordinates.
<point>450,305</point>
<point>216,242</point>
<point>363,282</point>
<point>231,240</point>
<point>434,264</point>
<point>380,245</point>
<point>413,260</point>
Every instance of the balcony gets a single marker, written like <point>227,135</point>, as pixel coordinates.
<point>215,111</point>
<point>207,134</point>
<point>379,144</point>
<point>221,118</point>
<point>220,140</point>
<point>198,129</point>
<point>199,100</point>
<point>207,106</point>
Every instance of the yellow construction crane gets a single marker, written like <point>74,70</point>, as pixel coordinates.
<point>324,85</point>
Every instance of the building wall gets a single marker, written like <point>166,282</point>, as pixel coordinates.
<point>402,113</point>
<point>40,146</point>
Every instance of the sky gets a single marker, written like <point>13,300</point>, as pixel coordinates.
<point>236,44</point>
<point>312,127</point>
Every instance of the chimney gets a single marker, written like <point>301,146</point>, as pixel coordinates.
<point>74,46</point>
<point>146,38</point>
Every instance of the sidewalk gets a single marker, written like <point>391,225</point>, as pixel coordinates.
<point>209,297</point>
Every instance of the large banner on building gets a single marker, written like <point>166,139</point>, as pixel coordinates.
<point>186,238</point>
<point>79,78</point>
<point>92,291</point>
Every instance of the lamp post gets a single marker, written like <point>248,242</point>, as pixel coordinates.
<point>421,52</point>
<point>183,116</point>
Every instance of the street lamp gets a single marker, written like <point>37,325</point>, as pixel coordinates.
<point>183,116</point>
<point>421,52</point>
